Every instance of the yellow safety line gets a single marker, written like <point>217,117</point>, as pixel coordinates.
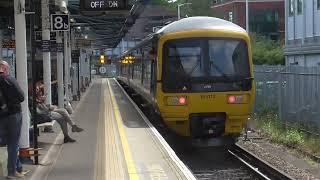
<point>132,171</point>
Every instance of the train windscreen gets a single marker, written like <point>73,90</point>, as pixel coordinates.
<point>203,64</point>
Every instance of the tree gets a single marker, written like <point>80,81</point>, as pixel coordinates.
<point>266,51</point>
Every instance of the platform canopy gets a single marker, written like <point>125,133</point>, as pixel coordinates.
<point>104,29</point>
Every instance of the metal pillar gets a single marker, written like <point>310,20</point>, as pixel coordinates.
<point>1,44</point>
<point>178,12</point>
<point>46,55</point>
<point>21,59</point>
<point>122,45</point>
<point>286,5</point>
<point>90,59</point>
<point>66,66</point>
<point>60,73</point>
<point>78,65</point>
<point>34,74</point>
<point>247,16</point>
<point>69,62</point>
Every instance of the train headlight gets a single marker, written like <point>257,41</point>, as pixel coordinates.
<point>235,99</point>
<point>177,101</point>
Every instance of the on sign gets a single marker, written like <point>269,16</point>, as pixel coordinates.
<point>102,5</point>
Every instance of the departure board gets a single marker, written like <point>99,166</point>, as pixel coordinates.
<point>103,5</point>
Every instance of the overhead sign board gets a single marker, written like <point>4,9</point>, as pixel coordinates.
<point>103,5</point>
<point>60,22</point>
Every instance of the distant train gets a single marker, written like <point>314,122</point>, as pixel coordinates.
<point>197,73</point>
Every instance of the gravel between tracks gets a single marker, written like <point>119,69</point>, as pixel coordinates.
<point>279,163</point>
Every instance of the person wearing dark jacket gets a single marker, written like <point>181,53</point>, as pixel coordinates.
<point>12,120</point>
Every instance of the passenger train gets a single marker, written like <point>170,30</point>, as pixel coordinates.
<point>197,73</point>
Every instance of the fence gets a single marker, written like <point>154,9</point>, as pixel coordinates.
<point>294,91</point>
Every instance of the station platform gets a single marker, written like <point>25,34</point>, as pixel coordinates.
<point>118,143</point>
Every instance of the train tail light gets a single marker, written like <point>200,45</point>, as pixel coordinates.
<point>232,99</point>
<point>182,100</point>
<point>177,101</point>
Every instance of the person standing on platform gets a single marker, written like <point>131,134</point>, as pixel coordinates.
<point>11,119</point>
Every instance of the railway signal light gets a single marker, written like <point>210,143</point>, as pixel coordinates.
<point>102,59</point>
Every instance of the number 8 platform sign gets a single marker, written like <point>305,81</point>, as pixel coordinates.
<point>60,22</point>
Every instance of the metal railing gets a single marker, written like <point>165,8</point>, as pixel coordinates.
<point>293,91</point>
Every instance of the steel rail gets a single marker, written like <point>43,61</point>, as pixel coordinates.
<point>257,165</point>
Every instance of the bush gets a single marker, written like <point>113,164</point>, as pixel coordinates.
<point>272,127</point>
<point>294,138</point>
<point>266,51</point>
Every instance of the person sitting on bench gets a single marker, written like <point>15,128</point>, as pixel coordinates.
<point>61,115</point>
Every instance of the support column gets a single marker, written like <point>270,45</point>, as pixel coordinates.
<point>46,55</point>
<point>1,38</point>
<point>60,72</point>
<point>286,14</point>
<point>247,16</point>
<point>122,45</point>
<point>72,80</point>
<point>21,59</point>
<point>66,65</point>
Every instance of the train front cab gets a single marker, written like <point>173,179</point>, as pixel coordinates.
<point>204,109</point>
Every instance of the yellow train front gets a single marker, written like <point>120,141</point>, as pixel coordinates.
<point>197,73</point>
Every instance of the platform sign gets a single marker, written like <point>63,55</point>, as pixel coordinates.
<point>60,22</point>
<point>103,5</point>
<point>38,36</point>
<point>75,55</point>
<point>102,70</point>
<point>45,46</point>
<point>60,47</point>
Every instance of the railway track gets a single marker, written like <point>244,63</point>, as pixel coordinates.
<point>212,163</point>
<point>257,165</point>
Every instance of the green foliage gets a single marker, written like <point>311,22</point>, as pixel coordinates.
<point>272,127</point>
<point>294,137</point>
<point>312,145</point>
<point>266,51</point>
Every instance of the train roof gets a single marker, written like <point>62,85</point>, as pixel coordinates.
<point>191,23</point>
<point>200,23</point>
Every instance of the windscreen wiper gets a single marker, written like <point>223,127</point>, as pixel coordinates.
<point>193,69</point>
<point>221,72</point>
<point>225,75</point>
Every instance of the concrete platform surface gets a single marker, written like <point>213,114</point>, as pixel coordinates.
<point>118,143</point>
